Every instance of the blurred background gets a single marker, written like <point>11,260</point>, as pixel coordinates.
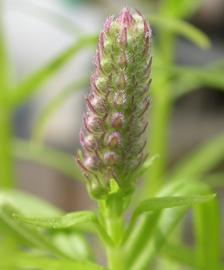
<point>37,31</point>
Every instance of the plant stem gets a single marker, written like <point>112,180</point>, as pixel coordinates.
<point>5,115</point>
<point>6,163</point>
<point>114,223</point>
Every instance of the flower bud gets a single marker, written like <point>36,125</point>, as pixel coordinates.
<point>113,135</point>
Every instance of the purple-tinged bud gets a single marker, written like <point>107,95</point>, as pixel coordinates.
<point>124,37</point>
<point>107,24</point>
<point>125,19</point>
<point>114,127</point>
<point>88,142</point>
<point>114,139</point>
<point>117,121</point>
<point>110,158</point>
<point>92,122</point>
<point>91,163</point>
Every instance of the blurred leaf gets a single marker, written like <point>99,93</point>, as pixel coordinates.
<point>46,263</point>
<point>190,78</point>
<point>73,244</point>
<point>180,8</point>
<point>183,29</point>
<point>28,204</point>
<point>48,112</point>
<point>147,164</point>
<point>215,180</point>
<point>202,160</point>
<point>55,159</point>
<point>48,15</point>
<point>30,235</point>
<point>182,254</point>
<point>60,222</point>
<point>207,218</point>
<point>151,233</point>
<point>160,203</point>
<point>35,81</point>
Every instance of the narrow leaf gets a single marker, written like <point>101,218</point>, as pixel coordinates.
<point>49,111</point>
<point>30,235</point>
<point>159,203</point>
<point>202,160</point>
<point>45,263</point>
<point>47,156</point>
<point>183,29</point>
<point>35,81</point>
<point>61,222</point>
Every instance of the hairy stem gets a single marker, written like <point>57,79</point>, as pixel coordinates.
<point>114,223</point>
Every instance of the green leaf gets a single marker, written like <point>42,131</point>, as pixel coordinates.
<point>36,80</point>
<point>183,29</point>
<point>208,245</point>
<point>202,160</point>
<point>160,203</point>
<point>73,244</point>
<point>46,263</point>
<point>48,112</point>
<point>181,254</point>
<point>179,9</point>
<point>149,235</point>
<point>147,165</point>
<point>47,156</point>
<point>29,235</point>
<point>28,204</point>
<point>60,222</point>
<point>189,78</point>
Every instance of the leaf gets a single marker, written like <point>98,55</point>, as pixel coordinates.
<point>183,29</point>
<point>47,156</point>
<point>160,203</point>
<point>149,235</point>
<point>202,160</point>
<point>190,78</point>
<point>31,236</point>
<point>60,222</point>
<point>208,245</point>
<point>48,112</point>
<point>181,8</point>
<point>46,263</point>
<point>147,164</point>
<point>35,81</point>
<point>27,204</point>
<point>73,244</point>
<point>49,16</point>
<point>182,254</point>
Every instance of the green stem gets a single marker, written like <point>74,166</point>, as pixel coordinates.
<point>114,223</point>
<point>5,115</point>
<point>6,162</point>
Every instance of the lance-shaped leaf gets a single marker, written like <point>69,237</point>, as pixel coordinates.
<point>47,156</point>
<point>30,85</point>
<point>30,236</point>
<point>27,261</point>
<point>183,29</point>
<point>60,222</point>
<point>160,203</point>
<point>53,106</point>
